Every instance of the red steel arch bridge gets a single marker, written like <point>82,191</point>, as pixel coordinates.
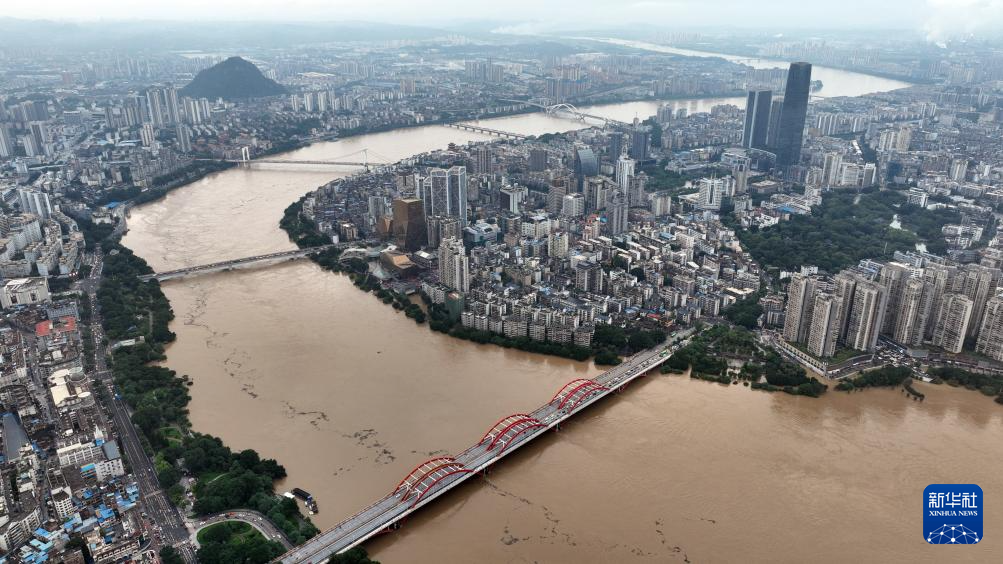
<point>431,478</point>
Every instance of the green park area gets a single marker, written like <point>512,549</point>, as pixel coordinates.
<point>235,542</point>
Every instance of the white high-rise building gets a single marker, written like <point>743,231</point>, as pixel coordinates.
<point>624,172</point>
<point>147,135</point>
<point>713,192</point>
<point>454,265</point>
<point>155,106</point>
<point>990,342</point>
<point>953,317</point>
<point>444,192</point>
<point>184,137</point>
<point>800,303</point>
<point>35,202</point>
<point>661,203</point>
<point>6,141</point>
<point>458,193</point>
<point>573,205</point>
<point>616,215</point>
<point>867,313</point>
<point>825,319</point>
<point>558,244</point>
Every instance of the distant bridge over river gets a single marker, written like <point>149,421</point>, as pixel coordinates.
<point>235,263</point>
<point>568,109</point>
<point>360,159</point>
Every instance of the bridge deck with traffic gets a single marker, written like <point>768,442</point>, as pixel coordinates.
<point>434,477</point>
<point>488,130</point>
<point>228,264</point>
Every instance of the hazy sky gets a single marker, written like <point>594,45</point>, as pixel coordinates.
<point>938,18</point>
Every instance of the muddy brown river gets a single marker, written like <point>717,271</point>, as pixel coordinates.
<point>349,395</point>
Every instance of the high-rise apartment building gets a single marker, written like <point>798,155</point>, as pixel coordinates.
<point>624,172</point>
<point>573,205</point>
<point>441,228</point>
<point>616,214</point>
<point>990,341</point>
<point>155,107</point>
<point>35,202</point>
<point>660,203</point>
<point>825,318</point>
<point>867,312</point>
<point>978,283</point>
<point>713,192</point>
<point>538,160</point>
<point>893,277</point>
<point>912,313</point>
<point>800,303</point>
<point>6,141</point>
<point>444,192</point>
<point>454,265</point>
<point>183,134</point>
<point>951,326</point>
<point>484,160</point>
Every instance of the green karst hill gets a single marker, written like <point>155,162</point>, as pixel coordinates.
<point>233,79</point>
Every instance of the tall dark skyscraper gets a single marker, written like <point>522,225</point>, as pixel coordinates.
<point>792,117</point>
<point>409,224</point>
<point>640,141</point>
<point>757,119</point>
<point>586,165</point>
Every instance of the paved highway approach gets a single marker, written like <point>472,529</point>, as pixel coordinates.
<point>434,477</point>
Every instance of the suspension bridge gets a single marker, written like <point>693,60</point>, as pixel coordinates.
<point>432,478</point>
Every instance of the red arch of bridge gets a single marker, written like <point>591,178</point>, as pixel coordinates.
<point>422,492</point>
<point>500,424</point>
<point>524,425</point>
<point>572,384</point>
<point>423,470</point>
<point>580,392</point>
<point>513,421</point>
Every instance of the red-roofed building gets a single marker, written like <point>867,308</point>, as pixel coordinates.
<point>60,330</point>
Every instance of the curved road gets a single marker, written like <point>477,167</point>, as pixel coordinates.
<point>252,518</point>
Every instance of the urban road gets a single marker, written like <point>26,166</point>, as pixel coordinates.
<point>167,519</point>
<point>435,477</point>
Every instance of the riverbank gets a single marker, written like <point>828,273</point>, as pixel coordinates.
<point>608,343</point>
<point>159,398</point>
<point>293,362</point>
<point>834,85</point>
<point>848,68</point>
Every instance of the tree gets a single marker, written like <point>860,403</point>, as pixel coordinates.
<point>607,358</point>
<point>168,477</point>
<point>169,555</point>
